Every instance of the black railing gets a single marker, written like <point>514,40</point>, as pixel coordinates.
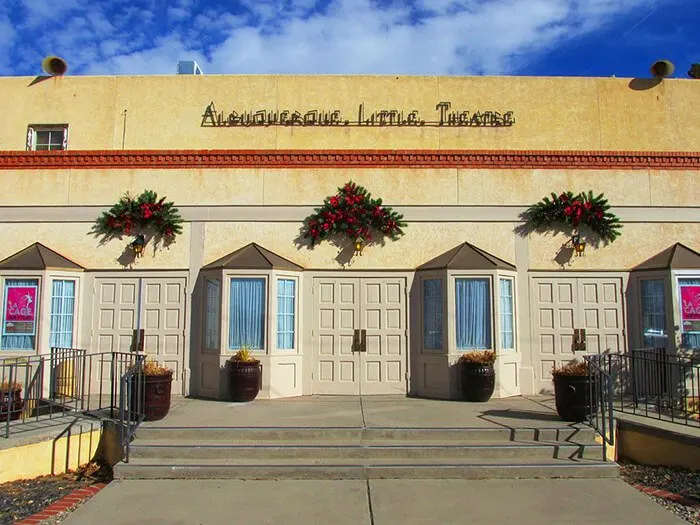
<point>601,418</point>
<point>646,382</point>
<point>37,389</point>
<point>68,381</point>
<point>657,385</point>
<point>131,401</point>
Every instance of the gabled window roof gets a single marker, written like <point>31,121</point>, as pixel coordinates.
<point>253,257</point>
<point>38,257</point>
<point>466,257</point>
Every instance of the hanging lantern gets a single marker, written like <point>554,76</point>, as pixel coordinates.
<point>579,244</point>
<point>138,245</point>
<point>358,246</point>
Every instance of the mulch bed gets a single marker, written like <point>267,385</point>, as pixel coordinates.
<point>677,489</point>
<point>23,498</point>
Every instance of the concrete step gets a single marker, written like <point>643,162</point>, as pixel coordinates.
<point>173,449</point>
<point>580,435</point>
<point>349,468</point>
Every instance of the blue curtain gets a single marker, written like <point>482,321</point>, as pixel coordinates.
<point>285,313</point>
<point>506,303</point>
<point>690,339</point>
<point>432,314</point>
<point>62,311</point>
<point>473,313</point>
<point>18,342</point>
<point>653,314</point>
<point>247,314</point>
<point>212,313</point>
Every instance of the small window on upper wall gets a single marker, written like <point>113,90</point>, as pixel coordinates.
<point>47,137</point>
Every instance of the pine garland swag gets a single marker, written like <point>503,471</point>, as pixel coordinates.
<point>142,213</point>
<point>354,213</point>
<point>574,210</point>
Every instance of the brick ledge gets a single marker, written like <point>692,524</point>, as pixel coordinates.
<point>67,502</point>
<point>438,159</point>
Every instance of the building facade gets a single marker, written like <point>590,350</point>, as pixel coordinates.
<point>246,159</point>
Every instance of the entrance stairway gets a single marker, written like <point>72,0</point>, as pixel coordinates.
<point>364,453</point>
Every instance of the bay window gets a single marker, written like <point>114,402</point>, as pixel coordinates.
<point>286,306</point>
<point>247,314</point>
<point>62,313</point>
<point>473,313</point>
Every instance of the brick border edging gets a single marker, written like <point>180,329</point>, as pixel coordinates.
<point>65,503</point>
<point>659,493</point>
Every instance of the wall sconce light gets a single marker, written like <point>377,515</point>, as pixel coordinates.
<point>579,244</point>
<point>138,245</point>
<point>358,246</point>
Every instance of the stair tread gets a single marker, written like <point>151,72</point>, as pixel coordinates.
<point>361,462</point>
<point>375,443</point>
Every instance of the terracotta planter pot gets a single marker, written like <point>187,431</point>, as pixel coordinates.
<point>478,381</point>
<point>572,395</point>
<point>11,404</point>
<point>157,396</point>
<point>245,379</point>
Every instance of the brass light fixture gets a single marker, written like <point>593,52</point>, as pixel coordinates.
<point>138,245</point>
<point>358,246</point>
<point>579,244</point>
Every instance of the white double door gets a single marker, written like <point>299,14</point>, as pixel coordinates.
<point>145,314</point>
<point>571,317</point>
<point>360,335</point>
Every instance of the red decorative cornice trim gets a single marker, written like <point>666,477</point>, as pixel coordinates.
<point>167,159</point>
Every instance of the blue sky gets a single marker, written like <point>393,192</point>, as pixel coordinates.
<point>416,37</point>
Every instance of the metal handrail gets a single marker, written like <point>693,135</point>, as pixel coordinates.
<point>131,403</point>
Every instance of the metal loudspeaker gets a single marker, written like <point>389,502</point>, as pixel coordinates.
<point>662,69</point>
<point>54,65</point>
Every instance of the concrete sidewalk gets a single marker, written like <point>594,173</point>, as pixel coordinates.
<point>375,502</point>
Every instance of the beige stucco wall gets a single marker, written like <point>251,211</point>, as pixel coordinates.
<point>422,242</point>
<point>292,187</point>
<point>73,240</point>
<point>165,112</point>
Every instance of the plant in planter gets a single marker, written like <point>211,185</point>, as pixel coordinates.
<point>245,376</point>
<point>157,387</point>
<point>477,374</point>
<point>11,403</point>
<point>573,392</point>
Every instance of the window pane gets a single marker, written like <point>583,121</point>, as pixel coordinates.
<point>473,313</point>
<point>506,303</point>
<point>653,313</point>
<point>62,311</point>
<point>432,314</point>
<point>286,289</point>
<point>212,313</point>
<point>690,316</point>
<point>247,314</point>
<point>19,331</point>
<point>49,139</point>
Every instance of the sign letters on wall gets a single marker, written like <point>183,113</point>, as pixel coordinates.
<point>444,116</point>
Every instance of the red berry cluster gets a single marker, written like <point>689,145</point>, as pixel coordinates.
<point>579,211</point>
<point>136,214</point>
<point>354,213</point>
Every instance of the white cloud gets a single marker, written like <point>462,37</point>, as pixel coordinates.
<point>299,36</point>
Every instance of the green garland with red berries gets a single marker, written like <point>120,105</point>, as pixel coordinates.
<point>575,210</point>
<point>132,215</point>
<point>353,212</point>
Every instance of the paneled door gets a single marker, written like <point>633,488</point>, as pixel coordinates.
<point>156,306</point>
<point>563,308</point>
<point>360,336</point>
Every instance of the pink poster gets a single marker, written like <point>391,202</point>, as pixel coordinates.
<point>690,299</point>
<point>20,310</point>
